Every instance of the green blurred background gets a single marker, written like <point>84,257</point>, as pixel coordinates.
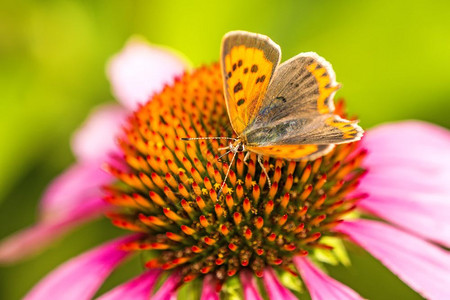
<point>391,56</point>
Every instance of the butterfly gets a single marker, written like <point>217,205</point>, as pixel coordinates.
<point>279,110</point>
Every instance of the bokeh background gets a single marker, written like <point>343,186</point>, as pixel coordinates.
<point>393,58</point>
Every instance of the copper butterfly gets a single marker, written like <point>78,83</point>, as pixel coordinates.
<point>280,110</point>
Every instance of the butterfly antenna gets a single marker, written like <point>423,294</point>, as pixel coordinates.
<point>226,176</point>
<point>219,159</point>
<point>209,138</point>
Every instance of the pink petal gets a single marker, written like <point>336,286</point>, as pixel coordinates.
<point>249,285</point>
<point>416,147</point>
<point>274,288</point>
<point>80,277</point>
<point>168,289</point>
<point>34,239</point>
<point>77,186</point>
<point>320,285</point>
<point>408,178</point>
<point>137,289</point>
<point>97,136</point>
<point>421,265</point>
<point>141,69</point>
<point>209,289</point>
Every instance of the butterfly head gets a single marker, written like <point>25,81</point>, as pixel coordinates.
<point>237,146</point>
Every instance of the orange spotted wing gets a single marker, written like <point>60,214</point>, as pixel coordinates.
<point>248,63</point>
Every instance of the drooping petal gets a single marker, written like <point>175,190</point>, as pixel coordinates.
<point>31,240</point>
<point>429,220</point>
<point>141,69</point>
<point>320,285</point>
<point>274,288</point>
<point>168,290</point>
<point>408,178</point>
<point>138,288</point>
<point>209,289</point>
<point>421,265</point>
<point>249,285</point>
<point>96,138</point>
<point>410,148</point>
<point>80,277</point>
<point>78,186</point>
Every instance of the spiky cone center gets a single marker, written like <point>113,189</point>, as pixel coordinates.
<point>169,189</point>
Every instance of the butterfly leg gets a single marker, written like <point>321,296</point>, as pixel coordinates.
<point>219,159</point>
<point>261,163</point>
<point>246,157</point>
<point>226,176</point>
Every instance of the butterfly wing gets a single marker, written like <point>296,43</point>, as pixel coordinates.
<point>321,130</point>
<point>303,86</point>
<point>293,152</point>
<point>297,110</point>
<point>248,61</point>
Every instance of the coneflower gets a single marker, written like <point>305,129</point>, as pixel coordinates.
<point>169,190</point>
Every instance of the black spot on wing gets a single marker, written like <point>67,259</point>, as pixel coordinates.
<point>240,102</point>
<point>238,87</point>
<point>261,79</point>
<point>254,69</point>
<point>281,98</point>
